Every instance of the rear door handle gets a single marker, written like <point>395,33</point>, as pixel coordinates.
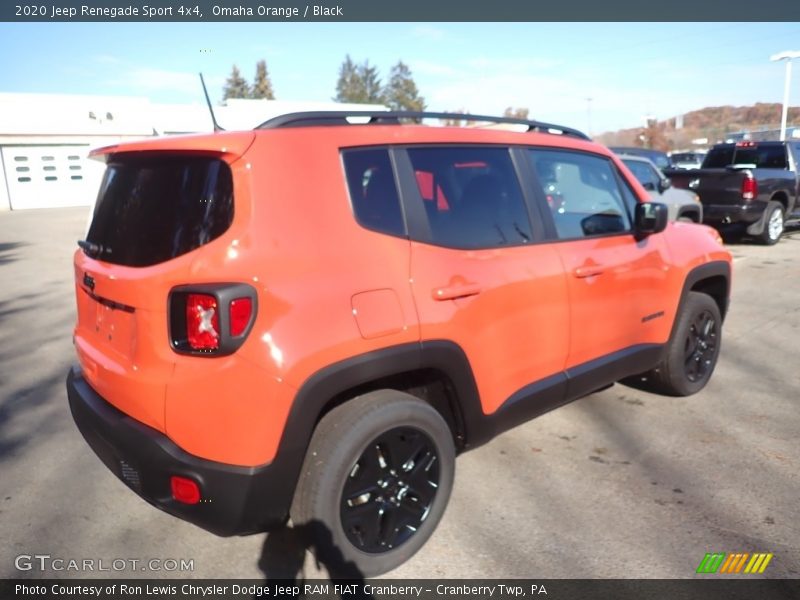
<point>456,291</point>
<point>588,271</point>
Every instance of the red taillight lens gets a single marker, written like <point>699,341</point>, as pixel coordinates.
<point>202,322</point>
<point>241,309</point>
<point>184,490</point>
<point>749,188</point>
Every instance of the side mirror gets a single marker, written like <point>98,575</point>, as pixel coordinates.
<point>649,218</point>
<point>664,185</point>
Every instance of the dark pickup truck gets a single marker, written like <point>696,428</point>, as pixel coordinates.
<point>747,187</point>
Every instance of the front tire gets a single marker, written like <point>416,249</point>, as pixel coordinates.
<point>693,350</point>
<point>375,482</point>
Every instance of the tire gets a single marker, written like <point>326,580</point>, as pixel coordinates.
<point>692,351</point>
<point>774,216</point>
<point>375,482</point>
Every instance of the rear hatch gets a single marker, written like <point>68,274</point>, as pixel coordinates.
<point>159,202</point>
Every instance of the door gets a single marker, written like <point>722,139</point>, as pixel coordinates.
<point>616,283</point>
<point>479,273</point>
<point>50,176</point>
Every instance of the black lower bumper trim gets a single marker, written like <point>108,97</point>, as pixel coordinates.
<point>724,214</point>
<point>235,500</point>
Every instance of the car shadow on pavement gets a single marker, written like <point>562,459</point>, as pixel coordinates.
<point>283,555</point>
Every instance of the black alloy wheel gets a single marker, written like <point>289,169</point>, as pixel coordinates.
<point>700,346</point>
<point>390,489</point>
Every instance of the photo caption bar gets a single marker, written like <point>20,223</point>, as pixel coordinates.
<point>408,11</point>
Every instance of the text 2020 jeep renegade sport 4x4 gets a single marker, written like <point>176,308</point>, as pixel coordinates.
<point>313,318</point>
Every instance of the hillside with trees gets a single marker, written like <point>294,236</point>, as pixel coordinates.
<point>713,123</point>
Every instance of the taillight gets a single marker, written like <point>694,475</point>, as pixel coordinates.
<point>211,319</point>
<point>241,310</point>
<point>749,188</point>
<point>202,322</point>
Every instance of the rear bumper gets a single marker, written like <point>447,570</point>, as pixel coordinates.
<point>724,214</point>
<point>235,500</point>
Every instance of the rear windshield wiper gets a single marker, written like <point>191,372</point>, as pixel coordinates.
<point>91,249</point>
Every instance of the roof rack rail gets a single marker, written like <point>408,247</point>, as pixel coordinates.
<point>373,117</point>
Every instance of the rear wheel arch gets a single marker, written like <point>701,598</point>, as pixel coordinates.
<point>783,198</point>
<point>432,386</point>
<point>437,372</point>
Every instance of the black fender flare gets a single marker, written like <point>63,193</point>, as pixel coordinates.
<point>716,268</point>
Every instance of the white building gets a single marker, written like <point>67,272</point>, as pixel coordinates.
<point>45,138</point>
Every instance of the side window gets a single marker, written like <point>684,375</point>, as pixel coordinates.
<point>773,157</point>
<point>582,192</point>
<point>472,197</point>
<point>644,173</point>
<point>373,191</point>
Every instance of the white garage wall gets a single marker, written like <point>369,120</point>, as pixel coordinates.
<point>50,176</point>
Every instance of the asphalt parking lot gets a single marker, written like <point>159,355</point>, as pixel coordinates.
<point>619,484</point>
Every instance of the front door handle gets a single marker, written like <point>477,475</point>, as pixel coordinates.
<point>456,291</point>
<point>588,271</point>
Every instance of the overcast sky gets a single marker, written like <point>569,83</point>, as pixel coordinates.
<point>629,70</point>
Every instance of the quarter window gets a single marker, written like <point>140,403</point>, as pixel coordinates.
<point>472,197</point>
<point>582,192</point>
<point>373,191</point>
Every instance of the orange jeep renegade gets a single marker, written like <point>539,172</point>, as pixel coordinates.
<point>311,319</point>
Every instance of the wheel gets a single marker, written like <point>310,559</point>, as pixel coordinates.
<point>692,352</point>
<point>375,482</point>
<point>773,223</point>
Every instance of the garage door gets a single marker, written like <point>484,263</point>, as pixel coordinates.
<point>50,176</point>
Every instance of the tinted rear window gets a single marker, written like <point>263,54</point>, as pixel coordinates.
<point>373,191</point>
<point>150,210</point>
<point>771,156</point>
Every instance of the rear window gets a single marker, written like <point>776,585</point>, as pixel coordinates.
<point>686,157</point>
<point>152,209</point>
<point>771,156</point>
